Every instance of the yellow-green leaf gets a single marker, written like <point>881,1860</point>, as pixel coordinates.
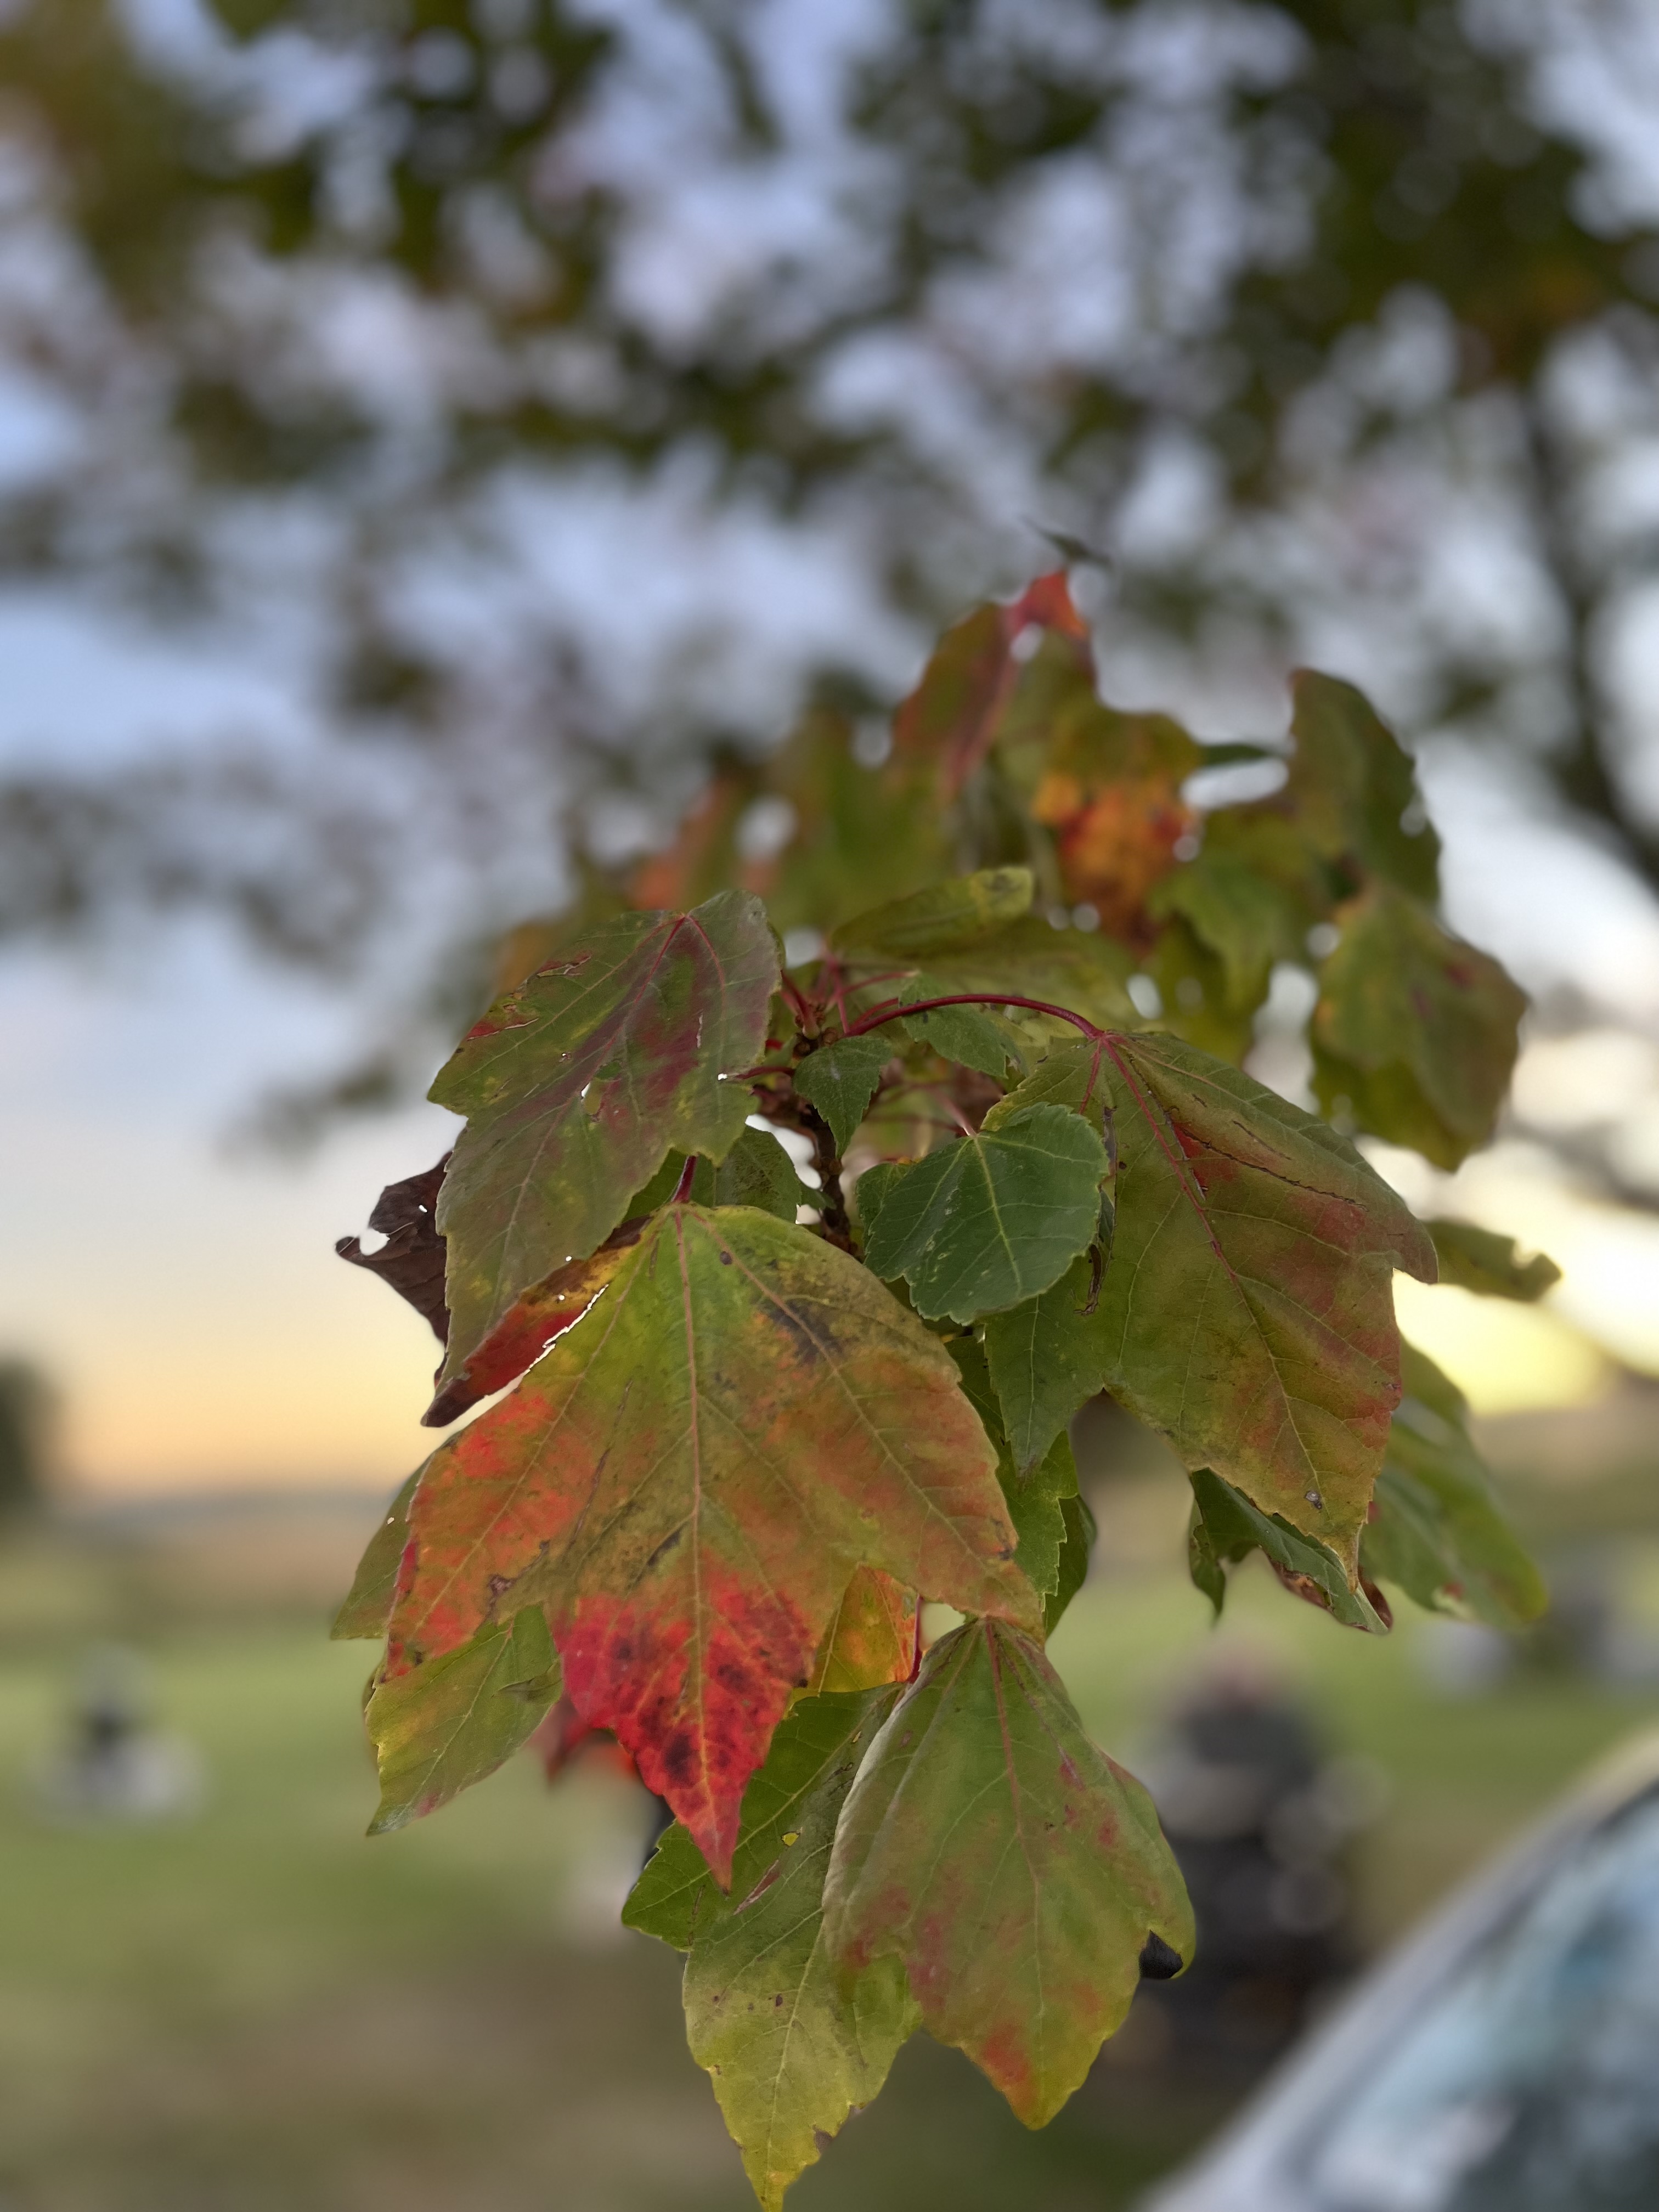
<point>450,1723</point>
<point>871,1636</point>
<point>368,1606</point>
<point>792,2048</point>
<point>1479,1260</point>
<point>940,919</point>
<point>1010,1867</point>
<point>1352,789</point>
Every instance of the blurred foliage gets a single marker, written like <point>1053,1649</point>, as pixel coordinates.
<point>341,266</point>
<point>28,1413</point>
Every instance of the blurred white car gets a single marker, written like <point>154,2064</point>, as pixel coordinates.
<point>1504,2059</point>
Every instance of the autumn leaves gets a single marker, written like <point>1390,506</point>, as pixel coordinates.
<point>759,1421</point>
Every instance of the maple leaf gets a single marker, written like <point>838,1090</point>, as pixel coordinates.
<point>578,1084</point>
<point>1111,793</point>
<point>757,1171</point>
<point>1036,1496</point>
<point>367,1605</point>
<point>448,1725</point>
<point>992,1219</point>
<point>1078,1524</point>
<point>1248,1311</point>
<point>840,1079</point>
<point>1225,923</point>
<point>411,1260</point>
<point>1015,1872</point>
<point>941,919</point>
<point>1479,1260</point>
<point>1226,1527</point>
<point>791,2049</point>
<point>974,1036</point>
<point>1439,1532</point>
<point>1416,1032</point>
<point>970,688</point>
<point>872,1637</point>
<point>1047,1357</point>
<point>688,1479</point>
<point>1353,791</point>
<point>537,1317</point>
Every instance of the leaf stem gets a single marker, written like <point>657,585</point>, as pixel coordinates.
<point>683,1187</point>
<point>897,1012</point>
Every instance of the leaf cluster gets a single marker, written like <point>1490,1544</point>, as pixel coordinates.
<point>799,1271</point>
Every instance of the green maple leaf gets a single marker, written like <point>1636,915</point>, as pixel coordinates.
<point>1226,1527</point>
<point>1478,1260</point>
<point>367,1605</point>
<point>839,1080</point>
<point>792,2049</point>
<point>1248,1311</point>
<point>1417,1031</point>
<point>1077,1541</point>
<point>1047,1357</point>
<point>1244,917</point>
<point>972,1037</point>
<point>941,919</point>
<point>578,1084</point>
<point>1352,789</point>
<point>991,1220</point>
<point>1013,1870</point>
<point>1439,1532</point>
<point>1035,1496</point>
<point>688,1479</point>
<point>449,1723</point>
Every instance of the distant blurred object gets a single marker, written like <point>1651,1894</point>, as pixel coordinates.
<point>1504,2060</point>
<point>1261,1817</point>
<point>116,1766</point>
<point>28,1408</point>
<point>1462,1658</point>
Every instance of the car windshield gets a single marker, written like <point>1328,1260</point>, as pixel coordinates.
<point>1529,2082</point>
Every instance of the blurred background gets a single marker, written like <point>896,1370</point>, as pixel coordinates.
<point>433,435</point>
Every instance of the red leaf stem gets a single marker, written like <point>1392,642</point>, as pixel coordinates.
<point>977,998</point>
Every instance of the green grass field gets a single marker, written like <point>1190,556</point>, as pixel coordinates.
<point>258,2010</point>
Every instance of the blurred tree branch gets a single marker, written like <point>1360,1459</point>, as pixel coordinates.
<point>333,274</point>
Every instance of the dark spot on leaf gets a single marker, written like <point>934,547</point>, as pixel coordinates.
<point>669,1543</point>
<point>679,1757</point>
<point>726,1259</point>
